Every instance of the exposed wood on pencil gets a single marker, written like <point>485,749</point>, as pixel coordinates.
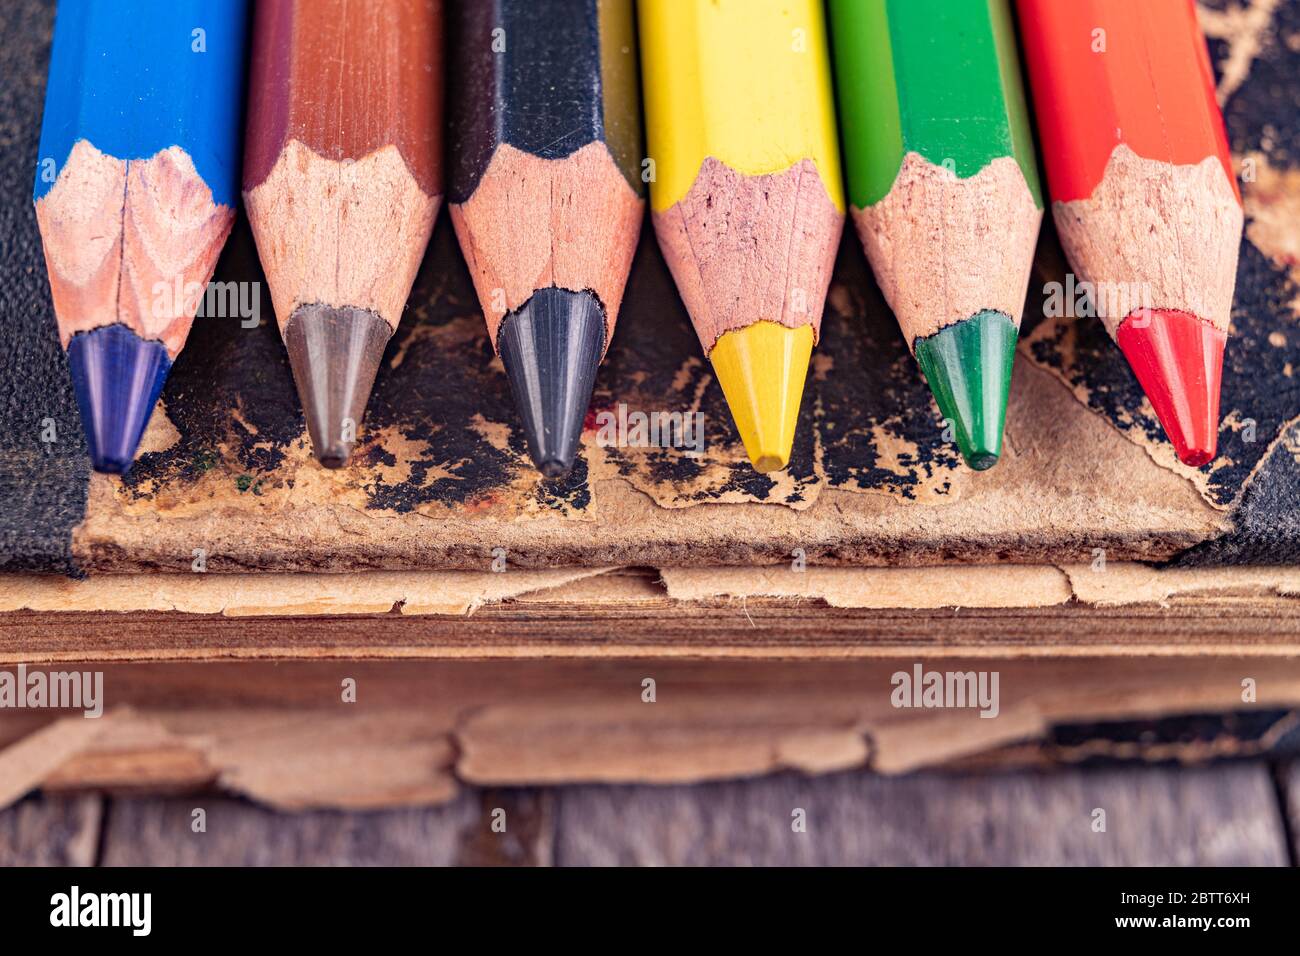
<point>746,199</point>
<point>340,233</point>
<point>545,195</point>
<point>944,191</point>
<point>744,248</point>
<point>1175,229</point>
<point>533,223</point>
<point>131,243</point>
<point>342,183</point>
<point>1143,191</point>
<point>943,248</point>
<point>342,174</point>
<point>135,195</point>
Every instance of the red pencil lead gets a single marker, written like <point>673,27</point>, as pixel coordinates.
<point>1178,360</point>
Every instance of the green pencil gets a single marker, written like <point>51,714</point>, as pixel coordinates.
<point>944,190</point>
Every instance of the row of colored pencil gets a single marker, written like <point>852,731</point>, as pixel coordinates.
<point>343,173</point>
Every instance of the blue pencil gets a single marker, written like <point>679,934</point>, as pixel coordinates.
<point>136,186</point>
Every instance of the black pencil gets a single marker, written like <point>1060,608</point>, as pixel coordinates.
<point>545,193</point>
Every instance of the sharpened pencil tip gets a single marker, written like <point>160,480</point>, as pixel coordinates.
<point>117,377</point>
<point>1178,360</point>
<point>968,367</point>
<point>761,369</point>
<point>551,347</point>
<point>335,354</point>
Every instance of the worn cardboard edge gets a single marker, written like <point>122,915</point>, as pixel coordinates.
<point>579,725</point>
<point>1101,583</point>
<point>257,594</point>
<point>1033,508</point>
<point>1013,586</point>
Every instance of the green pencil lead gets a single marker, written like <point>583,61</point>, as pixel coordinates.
<point>968,367</point>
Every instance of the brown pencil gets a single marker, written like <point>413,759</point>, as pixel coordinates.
<point>342,180</point>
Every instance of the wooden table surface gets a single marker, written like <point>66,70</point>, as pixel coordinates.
<point>1230,813</point>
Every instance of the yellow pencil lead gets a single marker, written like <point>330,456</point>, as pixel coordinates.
<point>762,369</point>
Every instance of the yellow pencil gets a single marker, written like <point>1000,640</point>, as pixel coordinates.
<point>746,192</point>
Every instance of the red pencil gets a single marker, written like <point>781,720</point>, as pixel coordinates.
<point>1143,192</point>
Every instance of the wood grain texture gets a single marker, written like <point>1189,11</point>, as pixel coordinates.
<point>51,831</point>
<point>137,161</point>
<point>279,732</point>
<point>1142,183</point>
<point>1144,193</point>
<point>746,249</point>
<point>944,248</point>
<point>944,186</point>
<point>159,832</point>
<point>939,156</point>
<point>1161,816</point>
<point>133,243</point>
<point>534,222</point>
<point>1170,234</point>
<point>747,202</point>
<point>1220,816</point>
<point>340,234</point>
